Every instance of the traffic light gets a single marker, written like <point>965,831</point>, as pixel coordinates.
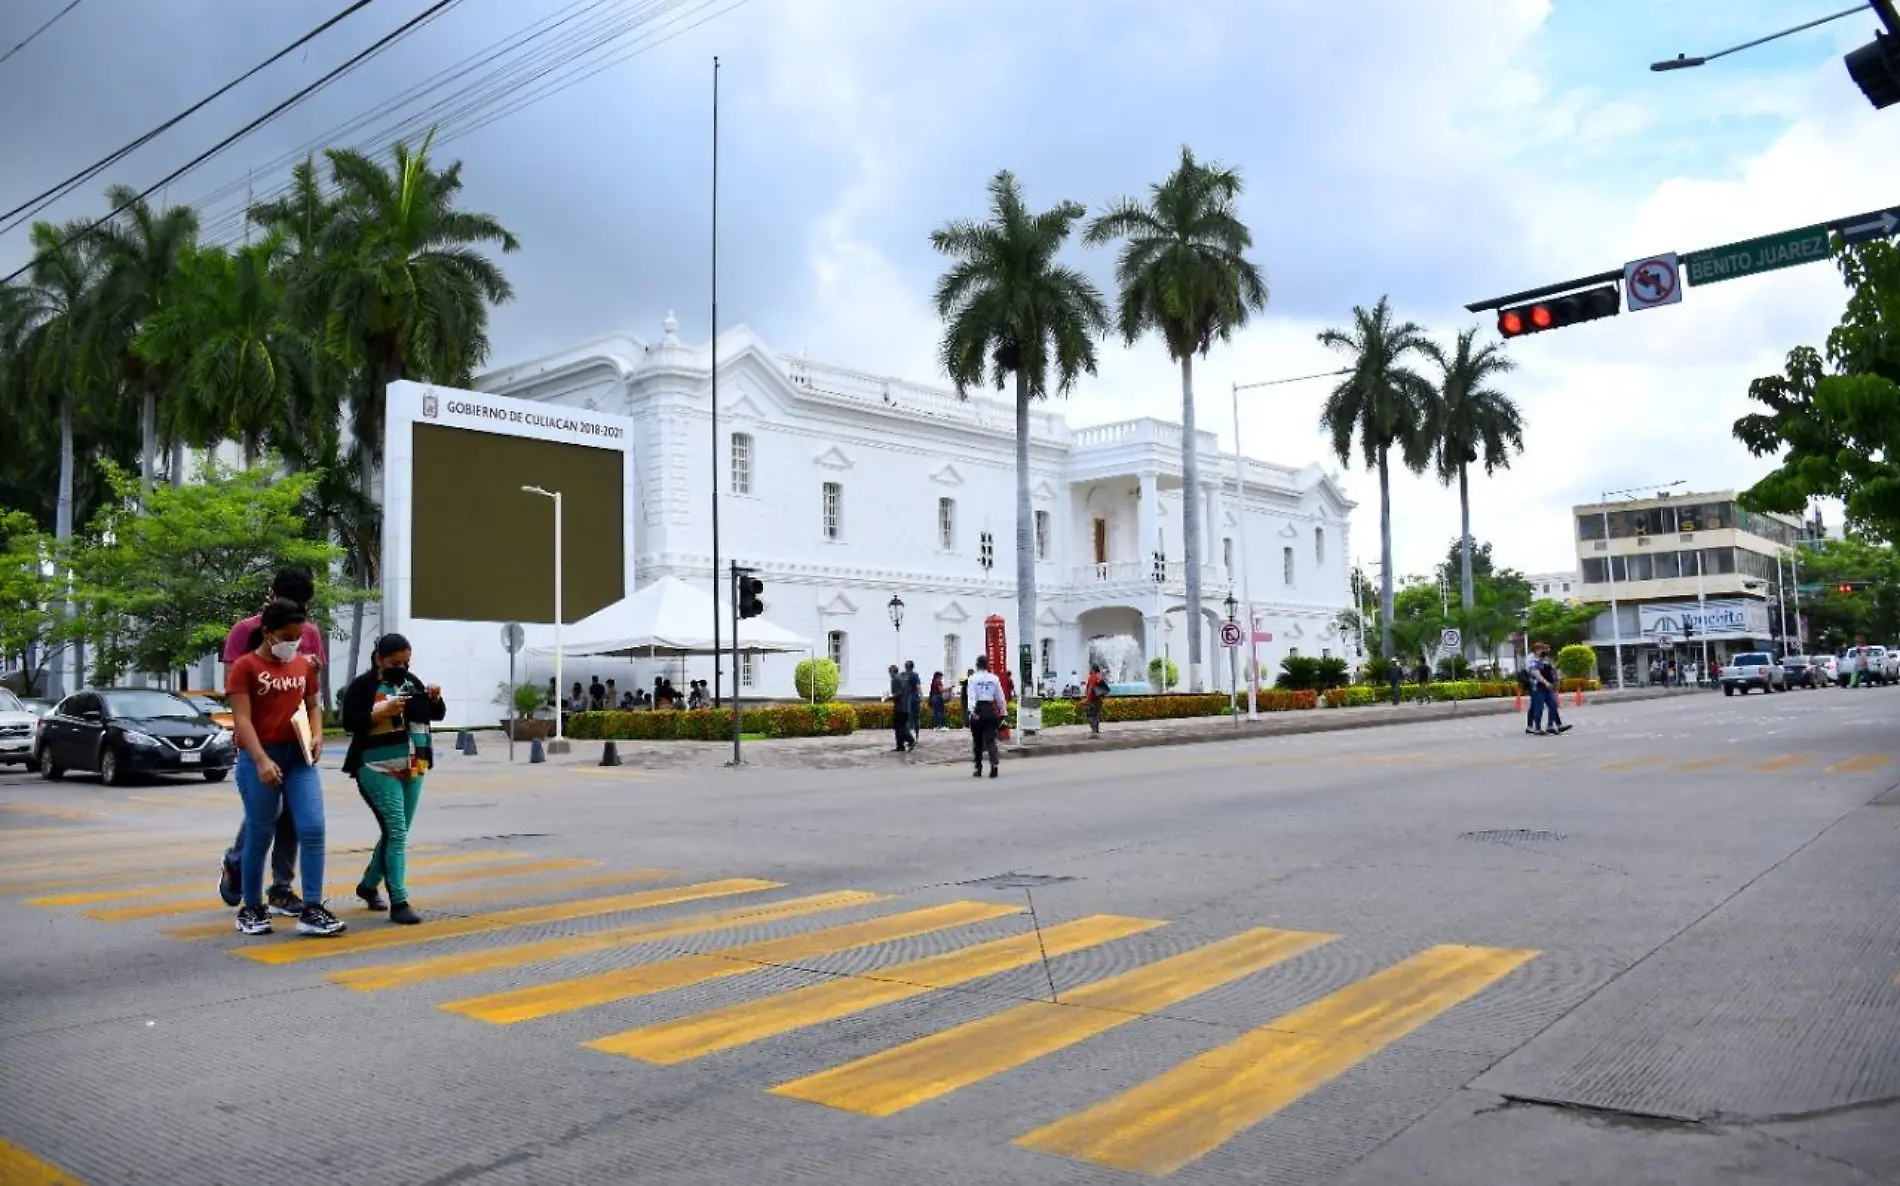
<point>751,589</point>
<point>1847,587</point>
<point>1875,69</point>
<point>1558,312</point>
<point>1688,629</point>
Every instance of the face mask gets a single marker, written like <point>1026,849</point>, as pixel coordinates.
<point>395,673</point>
<point>283,652</point>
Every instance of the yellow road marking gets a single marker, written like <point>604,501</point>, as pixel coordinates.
<point>377,938</point>
<point>690,1037</point>
<point>1705,763</point>
<point>136,863</point>
<point>378,977</point>
<point>582,992</point>
<point>1631,763</point>
<point>1784,762</point>
<point>221,929</point>
<point>196,901</point>
<point>344,889</point>
<point>20,1168</point>
<point>920,1071</point>
<point>1858,764</point>
<point>1185,1113</point>
<point>49,812</point>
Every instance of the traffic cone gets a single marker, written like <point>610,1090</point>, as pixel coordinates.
<point>536,753</point>
<point>609,756</point>
<point>1517,702</point>
<point>1579,701</point>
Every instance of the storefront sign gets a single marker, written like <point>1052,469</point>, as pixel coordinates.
<point>1719,617</point>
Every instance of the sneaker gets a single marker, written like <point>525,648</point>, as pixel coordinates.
<point>228,874</point>
<point>315,920</point>
<point>992,772</point>
<point>1565,728</point>
<point>403,913</point>
<point>372,900</point>
<point>253,920</point>
<point>977,773</point>
<point>284,902</point>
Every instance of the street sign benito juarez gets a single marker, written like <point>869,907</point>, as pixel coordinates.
<point>1785,250</point>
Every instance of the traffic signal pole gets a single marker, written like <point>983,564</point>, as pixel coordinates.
<point>736,577</point>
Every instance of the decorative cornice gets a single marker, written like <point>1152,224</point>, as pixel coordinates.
<point>832,458</point>
<point>947,476</point>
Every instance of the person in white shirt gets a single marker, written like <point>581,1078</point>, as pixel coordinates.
<point>984,708</point>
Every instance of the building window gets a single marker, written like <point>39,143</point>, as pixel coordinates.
<point>986,550</point>
<point>741,463</point>
<point>1286,564</point>
<point>947,524</point>
<point>1319,545</point>
<point>835,644</point>
<point>1227,556</point>
<point>1326,652</point>
<point>1566,586</point>
<point>834,511</point>
<point>952,655</point>
<point>1046,658</point>
<point>745,669</point>
<point>1042,535</point>
<point>1101,541</point>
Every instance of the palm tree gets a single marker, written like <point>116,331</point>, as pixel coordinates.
<point>1010,311</point>
<point>1471,422</point>
<point>1384,403</point>
<point>142,249</point>
<point>1184,272</point>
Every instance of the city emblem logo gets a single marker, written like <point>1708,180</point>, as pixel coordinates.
<point>429,406</point>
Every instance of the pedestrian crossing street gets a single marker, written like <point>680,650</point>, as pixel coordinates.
<point>664,931</point>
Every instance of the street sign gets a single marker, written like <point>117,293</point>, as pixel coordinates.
<point>1805,246</point>
<point>1663,640</point>
<point>1451,640</point>
<point>1230,634</point>
<point>512,637</point>
<point>1863,228</point>
<point>1653,282</point>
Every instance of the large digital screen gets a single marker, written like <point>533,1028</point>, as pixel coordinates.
<point>483,550</point>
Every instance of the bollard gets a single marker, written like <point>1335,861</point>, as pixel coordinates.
<point>609,756</point>
<point>464,742</point>
<point>469,749</point>
<point>535,752</point>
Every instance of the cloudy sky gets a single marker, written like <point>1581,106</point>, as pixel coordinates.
<point>1439,152</point>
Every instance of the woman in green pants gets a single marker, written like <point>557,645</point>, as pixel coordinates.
<point>387,712</point>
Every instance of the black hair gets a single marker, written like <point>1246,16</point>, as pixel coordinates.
<point>294,584</point>
<point>982,662</point>
<point>279,614</point>
<point>391,644</point>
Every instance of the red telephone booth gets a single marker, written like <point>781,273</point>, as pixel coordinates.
<point>996,647</point>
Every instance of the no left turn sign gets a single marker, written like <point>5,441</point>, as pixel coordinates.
<point>1648,283</point>
<point>1230,634</point>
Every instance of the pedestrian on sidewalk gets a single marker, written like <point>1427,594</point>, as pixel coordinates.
<point>293,585</point>
<point>387,711</point>
<point>900,711</point>
<point>914,700</point>
<point>985,708</point>
<point>939,710</point>
<point>279,729</point>
<point>1093,695</point>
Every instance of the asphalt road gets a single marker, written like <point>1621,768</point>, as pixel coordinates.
<point>1662,948</point>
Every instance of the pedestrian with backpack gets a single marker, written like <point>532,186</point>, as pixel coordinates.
<point>1093,695</point>
<point>985,708</point>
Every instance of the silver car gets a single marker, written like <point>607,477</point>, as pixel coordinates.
<point>19,727</point>
<point>1754,669</point>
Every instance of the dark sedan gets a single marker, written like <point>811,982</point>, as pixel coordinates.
<point>123,732</point>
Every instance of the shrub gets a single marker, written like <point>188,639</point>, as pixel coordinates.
<point>1298,672</point>
<point>1285,699</point>
<point>816,679</point>
<point>1056,713</point>
<point>1163,674</point>
<point>714,724</point>
<point>1331,672</point>
<point>1454,667</point>
<point>1577,661</point>
<point>1579,685</point>
<point>1355,696</point>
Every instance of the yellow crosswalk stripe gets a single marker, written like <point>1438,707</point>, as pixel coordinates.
<point>149,864</point>
<point>20,1168</point>
<point>1783,762</point>
<point>462,866</point>
<point>1186,1113</point>
<point>704,1033</point>
<point>920,1071</point>
<point>43,811</point>
<point>1629,763</point>
<point>582,992</point>
<point>1709,762</point>
<point>378,938</point>
<point>378,977</point>
<point>1858,764</point>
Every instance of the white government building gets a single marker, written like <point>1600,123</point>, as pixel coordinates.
<point>846,490</point>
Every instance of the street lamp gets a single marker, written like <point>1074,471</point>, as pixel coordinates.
<point>1609,566</point>
<point>558,745</point>
<point>897,623</point>
<point>1233,665</point>
<point>1684,61</point>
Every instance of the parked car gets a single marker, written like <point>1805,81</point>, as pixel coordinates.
<point>122,732</point>
<point>1753,669</point>
<point>213,705</point>
<point>1827,670</point>
<point>19,725</point>
<point>1800,672</point>
<point>36,705</point>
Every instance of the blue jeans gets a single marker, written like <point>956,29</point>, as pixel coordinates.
<point>1544,701</point>
<point>283,852</point>
<point>301,793</point>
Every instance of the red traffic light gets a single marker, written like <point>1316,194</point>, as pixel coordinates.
<point>1575,307</point>
<point>1510,323</point>
<point>1540,316</point>
<point>1844,589</point>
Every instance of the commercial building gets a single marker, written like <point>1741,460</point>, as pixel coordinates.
<point>1685,569</point>
<point>1555,586</point>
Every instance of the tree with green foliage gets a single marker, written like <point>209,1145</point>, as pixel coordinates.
<point>1184,273</point>
<point>1577,661</point>
<point>1163,674</point>
<point>31,626</point>
<point>142,249</point>
<point>1013,314</point>
<point>1561,625</point>
<point>816,679</point>
<point>1471,423</point>
<point>157,586</point>
<point>1871,606</point>
<point>1382,402</point>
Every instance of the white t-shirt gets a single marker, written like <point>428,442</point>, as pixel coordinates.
<point>985,686</point>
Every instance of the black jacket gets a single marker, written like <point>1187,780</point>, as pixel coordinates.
<point>359,700</point>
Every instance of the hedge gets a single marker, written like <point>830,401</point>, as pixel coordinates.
<point>1360,695</point>
<point>714,724</point>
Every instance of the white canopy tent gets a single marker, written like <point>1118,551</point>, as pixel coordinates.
<point>669,617</point>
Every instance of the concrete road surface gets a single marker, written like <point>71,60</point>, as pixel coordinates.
<point>1661,949</point>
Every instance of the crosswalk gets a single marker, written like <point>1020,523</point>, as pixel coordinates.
<point>662,931</point>
<point>1567,753</point>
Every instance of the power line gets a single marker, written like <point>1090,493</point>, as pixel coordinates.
<point>21,213</point>
<point>247,129</point>
<point>43,28</point>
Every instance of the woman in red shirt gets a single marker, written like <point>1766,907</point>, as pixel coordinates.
<point>273,694</point>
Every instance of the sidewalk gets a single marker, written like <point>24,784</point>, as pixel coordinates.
<point>873,747</point>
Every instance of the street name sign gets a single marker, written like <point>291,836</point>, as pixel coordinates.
<point>1653,282</point>
<point>1766,254</point>
<point>1863,228</point>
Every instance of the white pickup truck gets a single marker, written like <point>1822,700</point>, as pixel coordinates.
<point>1755,669</point>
